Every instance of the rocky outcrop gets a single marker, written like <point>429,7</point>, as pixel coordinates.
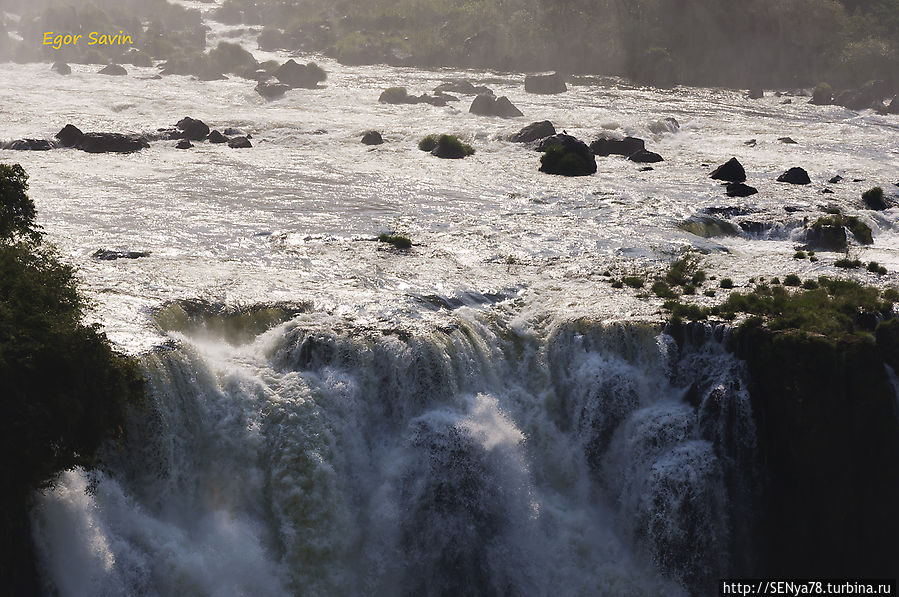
<point>545,83</point>
<point>111,143</point>
<point>399,95</point>
<point>462,87</point>
<point>738,189</point>
<point>217,137</point>
<point>645,157</point>
<point>29,145</point>
<point>306,76</point>
<point>372,138</point>
<point>69,135</point>
<point>566,156</point>
<point>665,125</point>
<point>730,171</point>
<point>488,105</point>
<point>183,144</point>
<point>606,145</point>
<point>114,70</point>
<point>822,95</point>
<point>193,129</point>
<point>270,90</point>
<point>534,132</point>
<point>108,255</point>
<point>239,143</point>
<point>795,175</point>
<point>61,68</point>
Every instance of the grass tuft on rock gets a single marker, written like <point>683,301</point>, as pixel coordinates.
<point>398,241</point>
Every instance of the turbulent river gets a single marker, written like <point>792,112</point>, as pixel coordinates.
<point>481,415</point>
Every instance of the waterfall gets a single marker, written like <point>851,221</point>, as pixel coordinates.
<point>324,457</point>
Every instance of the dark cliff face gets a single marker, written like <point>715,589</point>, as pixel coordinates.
<point>828,438</point>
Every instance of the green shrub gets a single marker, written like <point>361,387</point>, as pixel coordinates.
<point>847,263</point>
<point>726,283</point>
<point>17,211</point>
<point>400,242</point>
<point>799,255</point>
<point>449,146</point>
<point>792,280</point>
<point>683,271</point>
<point>633,281</point>
<point>558,160</point>
<point>809,285</point>
<point>873,198</point>
<point>709,293</point>
<point>661,289</point>
<point>775,280</point>
<point>876,268</point>
<point>617,284</point>
<point>428,143</point>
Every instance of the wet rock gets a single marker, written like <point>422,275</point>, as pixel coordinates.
<point>826,237</point>
<point>399,95</point>
<point>234,132</point>
<point>787,140</point>
<point>462,87</point>
<point>708,226</point>
<point>665,125</point>
<point>307,76</point>
<point>731,171</point>
<point>184,144</point>
<point>606,145</point>
<point>217,137</point>
<point>107,255</point>
<point>61,68</point>
<point>835,179</point>
<point>69,135</point>
<point>750,143</point>
<point>738,189</point>
<point>372,138</point>
<point>567,156</point>
<point>114,70</point>
<point>646,169</point>
<point>826,191</point>
<point>193,129</point>
<point>239,143</point>
<point>534,132</point>
<point>893,108</point>
<point>271,90</point>
<point>111,143</point>
<point>786,102</point>
<point>545,83</point>
<point>29,145</point>
<point>795,175</point>
<point>756,93</point>
<point>645,157</point>
<point>488,105</point>
<point>822,96</point>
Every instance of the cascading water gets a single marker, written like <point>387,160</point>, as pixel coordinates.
<point>477,458</point>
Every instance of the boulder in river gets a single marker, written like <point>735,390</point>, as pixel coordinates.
<point>738,189</point>
<point>795,176</point>
<point>756,93</point>
<point>111,143</point>
<point>534,132</point>
<point>270,90</point>
<point>450,147</point>
<point>183,144</point>
<point>730,171</point>
<point>62,68</point>
<point>606,145</point>
<point>488,105</point>
<point>217,137</point>
<point>194,130</point>
<point>29,145</point>
<point>645,157</point>
<point>665,125</point>
<point>108,255</point>
<point>372,138</point>
<point>462,87</point>
<point>69,135</point>
<point>114,70</point>
<point>545,83</point>
<point>307,76</point>
<point>822,95</point>
<point>239,143</point>
<point>567,156</point>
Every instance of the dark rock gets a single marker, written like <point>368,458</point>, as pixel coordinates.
<point>646,169</point>
<point>183,144</point>
<point>488,105</point>
<point>645,157</point>
<point>111,143</point>
<point>665,125</point>
<point>826,191</point>
<point>756,93</point>
<point>893,108</point>
<point>786,102</point>
<point>822,96</point>
<point>605,145</point>
<point>307,76</point>
<point>271,90</point>
<point>545,83</point>
<point>750,143</point>
<point>114,70</point>
<point>372,138</point>
<point>107,255</point>
<point>233,132</point>
<point>730,171</point>
<point>239,143</point>
<point>827,237</point>
<point>795,176</point>
<point>62,68</point>
<point>29,145</point>
<point>787,140</point>
<point>194,130</point>
<point>534,132</point>
<point>69,135</point>
<point>835,179</point>
<point>738,189</point>
<point>217,137</point>
<point>567,156</point>
<point>708,226</point>
<point>462,87</point>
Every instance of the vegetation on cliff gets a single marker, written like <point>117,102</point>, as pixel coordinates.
<point>65,391</point>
